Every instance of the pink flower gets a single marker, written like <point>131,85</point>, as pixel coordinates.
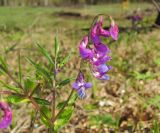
<point>7,118</point>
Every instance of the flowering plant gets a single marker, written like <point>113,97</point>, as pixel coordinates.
<point>55,115</point>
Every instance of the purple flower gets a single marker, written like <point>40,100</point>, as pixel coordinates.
<point>99,58</point>
<point>80,85</point>
<point>7,118</point>
<point>114,30</point>
<point>100,71</point>
<point>85,52</point>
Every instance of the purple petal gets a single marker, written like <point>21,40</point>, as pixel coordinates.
<point>103,68</point>
<point>7,119</point>
<point>85,53</point>
<point>81,93</point>
<point>101,48</point>
<point>75,86</point>
<point>88,85</point>
<point>94,34</point>
<point>114,31</point>
<point>104,33</point>
<point>104,77</point>
<point>101,60</point>
<point>80,78</point>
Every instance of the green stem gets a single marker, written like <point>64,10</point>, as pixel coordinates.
<point>65,104</point>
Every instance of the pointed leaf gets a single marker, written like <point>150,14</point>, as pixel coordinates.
<point>47,112</point>
<point>56,47</point>
<point>10,87</point>
<point>64,118</point>
<point>64,61</point>
<point>41,70</point>
<point>29,84</point>
<point>16,99</point>
<point>46,54</point>
<point>42,101</point>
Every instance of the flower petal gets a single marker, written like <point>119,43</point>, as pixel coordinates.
<point>114,31</point>
<point>102,48</point>
<point>104,77</point>
<point>75,86</point>
<point>85,52</point>
<point>88,85</point>
<point>7,119</point>
<point>82,93</point>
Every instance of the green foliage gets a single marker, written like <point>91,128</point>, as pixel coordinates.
<point>143,76</point>
<point>63,118</point>
<point>46,54</point>
<point>42,71</point>
<point>42,101</point>
<point>19,67</point>
<point>71,101</point>
<point>56,47</point>
<point>64,82</point>
<point>3,65</point>
<point>90,107</point>
<point>29,84</point>
<point>103,119</point>
<point>157,61</point>
<point>65,60</point>
<point>15,99</point>
<point>47,113</point>
<point>155,128</point>
<point>154,101</point>
<point>10,87</point>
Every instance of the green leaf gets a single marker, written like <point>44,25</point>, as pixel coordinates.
<point>65,82</point>
<point>41,71</point>
<point>70,102</point>
<point>16,99</point>
<point>10,87</point>
<point>46,54</point>
<point>65,60</point>
<point>19,67</point>
<point>155,101</point>
<point>155,128</point>
<point>64,118</point>
<point>3,65</point>
<point>103,119</point>
<point>47,112</point>
<point>56,47</point>
<point>29,84</point>
<point>42,101</point>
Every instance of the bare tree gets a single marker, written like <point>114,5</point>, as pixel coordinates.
<point>157,5</point>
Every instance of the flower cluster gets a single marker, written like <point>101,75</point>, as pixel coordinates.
<point>96,53</point>
<point>7,118</point>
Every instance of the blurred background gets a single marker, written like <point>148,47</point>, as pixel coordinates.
<point>130,100</point>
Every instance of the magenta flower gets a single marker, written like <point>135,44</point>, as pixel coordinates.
<point>100,71</point>
<point>97,31</point>
<point>80,85</point>
<point>114,31</point>
<point>85,52</point>
<point>99,58</point>
<point>97,53</point>
<point>7,118</point>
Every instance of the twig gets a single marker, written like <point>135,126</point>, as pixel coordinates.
<point>156,5</point>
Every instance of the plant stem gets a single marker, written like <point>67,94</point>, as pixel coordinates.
<point>65,104</point>
<point>38,108</point>
<point>26,95</point>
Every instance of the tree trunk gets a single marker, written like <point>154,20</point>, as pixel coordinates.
<point>157,22</point>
